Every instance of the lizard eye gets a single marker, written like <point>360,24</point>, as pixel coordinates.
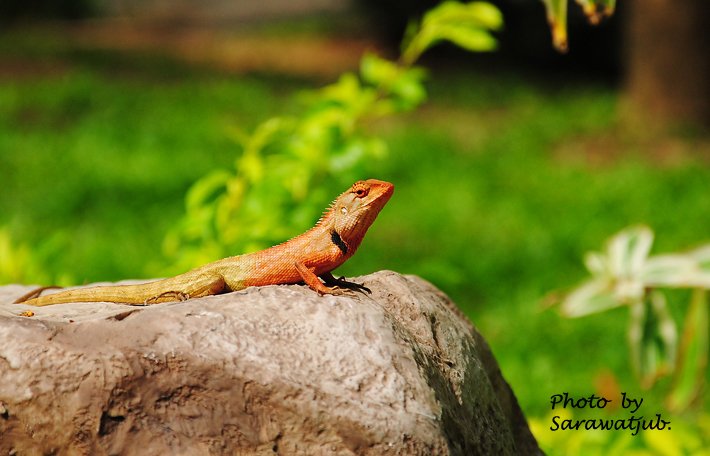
<point>361,192</point>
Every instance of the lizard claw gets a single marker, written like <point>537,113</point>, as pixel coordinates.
<point>343,285</point>
<point>337,291</point>
<point>334,291</point>
<point>352,286</point>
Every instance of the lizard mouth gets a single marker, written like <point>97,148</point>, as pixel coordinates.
<point>385,190</point>
<point>386,195</point>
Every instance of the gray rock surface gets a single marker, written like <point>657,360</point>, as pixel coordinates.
<point>270,370</point>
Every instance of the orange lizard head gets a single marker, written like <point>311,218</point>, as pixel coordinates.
<point>353,212</point>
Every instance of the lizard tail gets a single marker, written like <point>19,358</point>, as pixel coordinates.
<point>129,294</point>
<point>165,290</point>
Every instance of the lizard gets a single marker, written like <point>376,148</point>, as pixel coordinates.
<point>308,257</point>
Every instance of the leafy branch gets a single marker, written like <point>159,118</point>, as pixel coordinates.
<point>626,275</point>
<point>595,10</point>
<point>290,166</point>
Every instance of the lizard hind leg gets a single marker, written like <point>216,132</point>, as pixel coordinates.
<point>204,286</point>
<point>167,296</point>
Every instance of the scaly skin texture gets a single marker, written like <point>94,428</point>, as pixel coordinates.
<point>305,258</point>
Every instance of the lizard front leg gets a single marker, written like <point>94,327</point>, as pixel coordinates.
<point>308,275</point>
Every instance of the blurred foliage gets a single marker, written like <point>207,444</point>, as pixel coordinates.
<point>503,182</point>
<point>688,435</point>
<point>625,275</point>
<point>16,260</point>
<point>289,167</point>
<point>18,10</point>
<point>466,25</point>
<point>595,10</point>
<point>22,263</point>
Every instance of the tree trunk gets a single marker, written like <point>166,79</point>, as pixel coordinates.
<point>668,58</point>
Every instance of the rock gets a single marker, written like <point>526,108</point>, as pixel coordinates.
<point>270,370</point>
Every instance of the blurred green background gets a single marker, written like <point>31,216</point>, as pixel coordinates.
<point>505,178</point>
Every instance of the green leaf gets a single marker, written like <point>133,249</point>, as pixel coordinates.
<point>474,15</point>
<point>405,85</point>
<point>627,251</point>
<point>205,189</point>
<point>378,71</point>
<point>596,263</point>
<point>702,256</point>
<point>617,274</point>
<point>15,258</point>
<point>466,25</point>
<point>557,18</point>
<point>593,296</point>
<point>597,10</point>
<point>689,375</point>
<point>664,443</point>
<point>471,39</point>
<point>346,91</point>
<point>652,337</point>
<point>265,134</point>
<point>677,271</point>
<point>409,88</point>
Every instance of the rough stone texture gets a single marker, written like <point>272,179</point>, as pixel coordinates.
<point>271,370</point>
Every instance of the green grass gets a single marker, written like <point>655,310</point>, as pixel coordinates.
<point>502,185</point>
<point>103,161</point>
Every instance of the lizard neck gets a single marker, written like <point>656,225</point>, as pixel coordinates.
<point>352,240</point>
<point>326,228</point>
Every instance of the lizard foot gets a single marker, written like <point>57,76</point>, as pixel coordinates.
<point>341,283</point>
<point>333,291</point>
<point>168,296</point>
